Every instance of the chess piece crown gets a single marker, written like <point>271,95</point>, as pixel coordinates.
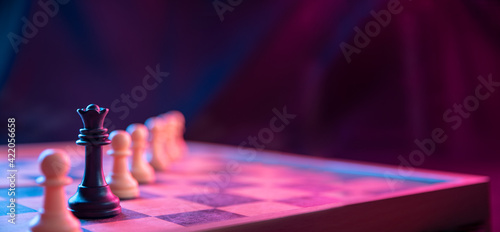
<point>93,131</point>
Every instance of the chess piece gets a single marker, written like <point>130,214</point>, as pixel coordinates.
<point>141,170</point>
<point>157,156</point>
<point>176,127</point>
<point>169,129</point>
<point>120,180</point>
<point>54,216</point>
<point>93,198</point>
<point>180,125</point>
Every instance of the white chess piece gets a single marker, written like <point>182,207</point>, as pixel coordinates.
<point>176,130</point>
<point>54,216</point>
<point>157,156</point>
<point>120,180</point>
<point>141,170</point>
<point>170,146</point>
<point>180,128</point>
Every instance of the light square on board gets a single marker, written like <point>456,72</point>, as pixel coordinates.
<point>183,177</point>
<point>223,184</point>
<point>269,193</point>
<point>171,190</point>
<point>162,206</point>
<point>149,224</point>
<point>258,208</point>
<point>265,181</point>
<point>194,166</point>
<point>145,195</point>
<point>218,199</point>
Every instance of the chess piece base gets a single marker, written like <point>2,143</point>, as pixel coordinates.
<point>94,202</point>
<point>55,222</point>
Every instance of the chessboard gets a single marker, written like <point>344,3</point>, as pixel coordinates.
<point>225,188</point>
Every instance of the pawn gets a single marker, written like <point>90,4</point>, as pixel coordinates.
<point>54,216</point>
<point>180,128</point>
<point>175,133</point>
<point>170,141</point>
<point>157,156</point>
<point>121,182</point>
<point>141,170</point>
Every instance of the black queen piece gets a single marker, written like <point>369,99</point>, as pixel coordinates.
<point>94,198</point>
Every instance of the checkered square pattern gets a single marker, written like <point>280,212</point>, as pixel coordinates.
<point>126,214</point>
<point>199,217</point>
<point>164,205</point>
<point>149,224</point>
<point>200,190</point>
<point>218,199</point>
<point>269,193</point>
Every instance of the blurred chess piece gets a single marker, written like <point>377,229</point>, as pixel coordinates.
<point>157,156</point>
<point>141,170</point>
<point>179,130</point>
<point>174,128</point>
<point>170,146</point>
<point>54,216</point>
<point>120,180</point>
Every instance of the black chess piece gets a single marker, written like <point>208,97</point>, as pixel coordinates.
<point>94,198</point>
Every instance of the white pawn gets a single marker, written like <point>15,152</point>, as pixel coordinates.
<point>176,145</point>
<point>141,170</point>
<point>170,146</point>
<point>180,128</point>
<point>54,216</point>
<point>170,141</point>
<point>120,181</point>
<point>157,156</point>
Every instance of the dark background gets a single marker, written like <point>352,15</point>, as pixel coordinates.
<point>228,75</point>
